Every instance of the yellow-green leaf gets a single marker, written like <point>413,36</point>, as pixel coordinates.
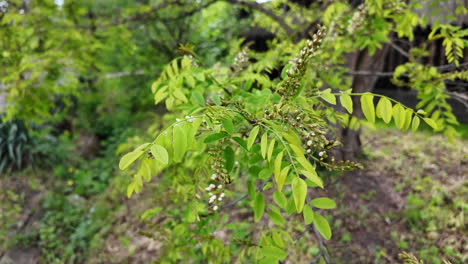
<point>408,116</point>
<point>431,123</point>
<point>308,215</point>
<point>313,177</point>
<point>280,199</point>
<point>145,170</point>
<point>305,164</point>
<point>384,110</point>
<point>129,158</point>
<point>252,137</point>
<point>160,154</point>
<point>299,190</point>
<point>277,167</point>
<point>415,124</point>
<point>399,116</point>
<point>328,97</point>
<point>323,203</point>
<point>258,206</point>
<point>322,226</point>
<point>367,105</point>
<point>346,102</point>
<point>282,177</point>
<point>264,144</point>
<point>179,142</point>
<point>270,149</point>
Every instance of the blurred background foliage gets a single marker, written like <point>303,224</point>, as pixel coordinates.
<point>75,81</point>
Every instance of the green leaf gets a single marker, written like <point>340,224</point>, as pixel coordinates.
<point>305,164</point>
<point>399,116</point>
<point>328,97</point>
<point>408,116</point>
<point>347,102</point>
<point>145,170</point>
<point>384,110</point>
<point>252,137</point>
<point>130,189</point>
<point>180,95</point>
<point>277,168</point>
<point>282,177</point>
<point>322,226</point>
<point>313,177</point>
<point>264,174</point>
<point>129,158</point>
<point>228,126</point>
<point>431,123</point>
<point>214,137</point>
<point>228,156</point>
<point>292,138</point>
<point>367,105</point>
<point>298,150</point>
<point>258,206</point>
<point>278,239</point>
<point>299,190</point>
<point>280,199</point>
<point>415,124</point>
<point>160,154</point>
<point>276,218</point>
<point>273,252</point>
<point>308,214</point>
<point>151,212</point>
<point>270,149</point>
<point>179,142</point>
<point>290,206</point>
<point>323,203</point>
<point>264,144</point>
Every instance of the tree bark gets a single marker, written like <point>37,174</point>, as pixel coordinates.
<point>360,61</point>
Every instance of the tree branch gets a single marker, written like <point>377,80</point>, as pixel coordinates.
<point>442,68</point>
<point>268,12</point>
<point>399,49</point>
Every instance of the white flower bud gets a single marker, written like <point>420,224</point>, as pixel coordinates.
<point>309,143</point>
<point>213,177</point>
<point>215,208</point>
<point>220,186</point>
<point>321,153</point>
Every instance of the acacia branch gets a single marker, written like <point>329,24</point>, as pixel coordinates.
<point>442,68</point>
<point>399,49</point>
<point>268,12</point>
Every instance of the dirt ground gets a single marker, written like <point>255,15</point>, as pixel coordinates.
<point>374,220</point>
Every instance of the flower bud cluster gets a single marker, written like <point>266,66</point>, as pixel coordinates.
<point>216,194</point>
<point>357,20</point>
<point>241,61</point>
<point>218,179</point>
<point>290,86</point>
<point>397,6</point>
<point>313,137</point>
<point>192,60</point>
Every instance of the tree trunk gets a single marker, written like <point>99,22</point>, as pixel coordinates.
<point>360,61</point>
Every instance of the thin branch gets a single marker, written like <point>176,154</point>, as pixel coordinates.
<point>114,75</point>
<point>268,12</point>
<point>399,49</point>
<point>443,68</point>
<point>231,204</point>
<point>463,99</point>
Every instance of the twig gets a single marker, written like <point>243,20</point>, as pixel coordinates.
<point>442,68</point>
<point>268,12</point>
<point>400,50</point>
<point>231,204</point>
<point>460,98</point>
